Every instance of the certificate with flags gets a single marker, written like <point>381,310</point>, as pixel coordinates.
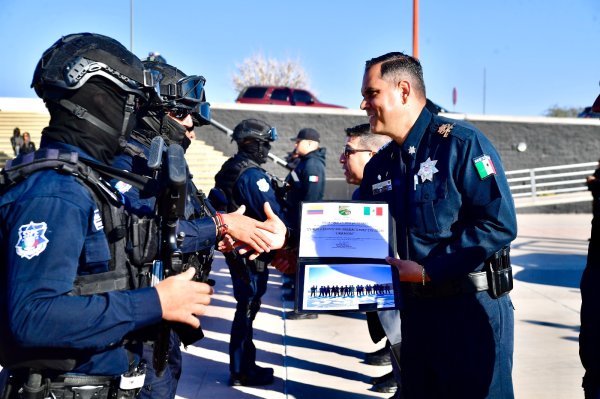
<point>341,257</point>
<point>344,230</point>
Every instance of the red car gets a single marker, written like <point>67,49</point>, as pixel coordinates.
<point>280,96</point>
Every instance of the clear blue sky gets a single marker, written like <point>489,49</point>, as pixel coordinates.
<point>536,53</point>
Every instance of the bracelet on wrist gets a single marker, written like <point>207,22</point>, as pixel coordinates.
<point>423,275</point>
<point>222,228</point>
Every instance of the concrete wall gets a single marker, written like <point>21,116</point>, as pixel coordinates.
<point>549,141</point>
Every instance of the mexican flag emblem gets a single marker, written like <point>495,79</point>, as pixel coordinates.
<point>485,166</point>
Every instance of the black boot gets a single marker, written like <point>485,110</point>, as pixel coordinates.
<point>255,377</point>
<point>380,357</point>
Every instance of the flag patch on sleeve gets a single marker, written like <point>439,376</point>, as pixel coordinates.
<point>313,178</point>
<point>484,165</point>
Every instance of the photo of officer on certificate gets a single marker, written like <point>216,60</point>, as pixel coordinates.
<point>341,264</point>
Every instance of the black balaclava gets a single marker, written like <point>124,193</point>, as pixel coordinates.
<point>101,99</point>
<point>256,150</point>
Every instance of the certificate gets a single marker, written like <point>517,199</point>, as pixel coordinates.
<point>341,261</point>
<point>344,230</point>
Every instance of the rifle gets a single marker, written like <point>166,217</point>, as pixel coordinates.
<point>171,206</point>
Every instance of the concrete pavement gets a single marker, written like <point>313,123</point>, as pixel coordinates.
<point>323,358</point>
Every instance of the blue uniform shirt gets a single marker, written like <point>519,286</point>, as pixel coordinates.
<point>51,231</point>
<point>448,194</point>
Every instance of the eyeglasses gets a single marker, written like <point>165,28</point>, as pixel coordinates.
<point>349,151</point>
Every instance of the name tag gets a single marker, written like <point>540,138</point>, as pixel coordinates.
<point>381,187</point>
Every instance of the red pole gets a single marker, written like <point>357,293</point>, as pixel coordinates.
<point>416,28</point>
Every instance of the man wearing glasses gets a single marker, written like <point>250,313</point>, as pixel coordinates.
<point>360,146</point>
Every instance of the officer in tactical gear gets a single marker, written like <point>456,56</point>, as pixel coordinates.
<point>68,317</point>
<point>182,106</point>
<point>243,182</point>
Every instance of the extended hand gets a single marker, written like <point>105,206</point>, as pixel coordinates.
<point>181,298</point>
<point>246,229</point>
<point>274,228</point>
<point>408,270</point>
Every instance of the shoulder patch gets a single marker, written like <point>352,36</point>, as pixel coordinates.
<point>484,166</point>
<point>313,178</point>
<point>263,185</point>
<point>32,239</point>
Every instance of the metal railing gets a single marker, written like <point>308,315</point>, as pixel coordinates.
<point>549,180</point>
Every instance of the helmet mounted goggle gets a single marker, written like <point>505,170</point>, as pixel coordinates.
<point>186,97</point>
<point>78,71</point>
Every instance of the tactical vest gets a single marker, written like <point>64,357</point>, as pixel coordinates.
<point>133,241</point>
<point>223,198</point>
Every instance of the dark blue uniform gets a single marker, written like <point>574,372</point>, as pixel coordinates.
<point>453,209</point>
<point>200,235</point>
<point>50,232</point>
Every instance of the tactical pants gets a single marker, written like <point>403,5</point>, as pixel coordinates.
<point>165,386</point>
<point>248,294</point>
<point>457,347</point>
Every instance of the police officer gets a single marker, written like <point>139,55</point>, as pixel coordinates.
<point>182,106</point>
<point>242,181</point>
<point>307,180</point>
<point>455,217</point>
<point>67,325</point>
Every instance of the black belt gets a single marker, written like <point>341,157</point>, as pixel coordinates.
<point>472,282</point>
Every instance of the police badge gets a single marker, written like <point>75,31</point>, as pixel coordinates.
<point>32,241</point>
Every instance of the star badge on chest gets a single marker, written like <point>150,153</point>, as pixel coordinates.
<point>427,170</point>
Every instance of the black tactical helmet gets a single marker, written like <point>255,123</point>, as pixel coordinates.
<point>254,129</point>
<point>73,59</point>
<point>180,93</point>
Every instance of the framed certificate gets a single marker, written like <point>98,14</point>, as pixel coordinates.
<point>341,260</point>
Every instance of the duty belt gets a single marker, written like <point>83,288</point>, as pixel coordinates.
<point>473,282</point>
<point>71,386</point>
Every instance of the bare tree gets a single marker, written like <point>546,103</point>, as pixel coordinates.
<point>563,112</point>
<point>257,70</point>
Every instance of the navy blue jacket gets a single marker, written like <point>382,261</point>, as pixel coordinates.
<point>448,194</point>
<point>308,185</point>
<point>50,232</point>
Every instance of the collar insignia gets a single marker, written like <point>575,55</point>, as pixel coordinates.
<point>445,129</point>
<point>412,150</point>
